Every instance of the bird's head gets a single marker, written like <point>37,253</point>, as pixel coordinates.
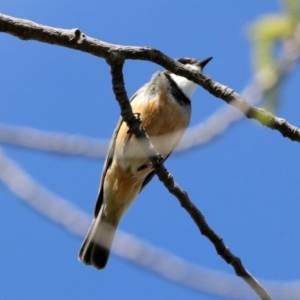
<point>194,63</point>
<point>188,87</point>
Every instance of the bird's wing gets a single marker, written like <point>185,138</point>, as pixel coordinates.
<point>108,161</point>
<point>110,154</point>
<point>107,164</point>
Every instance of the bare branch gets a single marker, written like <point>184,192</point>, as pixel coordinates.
<point>75,221</point>
<point>165,264</point>
<point>116,59</point>
<point>116,56</point>
<point>75,39</point>
<point>167,179</point>
<point>59,143</point>
<point>195,136</point>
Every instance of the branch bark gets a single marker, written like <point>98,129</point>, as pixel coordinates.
<point>115,56</point>
<point>167,179</point>
<point>75,39</point>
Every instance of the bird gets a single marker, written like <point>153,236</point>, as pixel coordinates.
<point>163,106</point>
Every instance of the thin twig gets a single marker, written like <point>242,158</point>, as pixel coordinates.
<point>59,143</point>
<point>76,222</point>
<point>118,55</point>
<point>115,56</point>
<point>167,179</point>
<point>75,39</point>
<point>195,136</point>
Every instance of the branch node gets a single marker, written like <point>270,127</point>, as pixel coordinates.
<point>77,36</point>
<point>159,159</point>
<point>228,92</point>
<point>76,33</point>
<point>114,58</point>
<point>133,120</point>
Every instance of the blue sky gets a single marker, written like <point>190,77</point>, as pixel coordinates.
<point>244,182</point>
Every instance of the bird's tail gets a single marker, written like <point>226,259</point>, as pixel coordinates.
<point>96,246</point>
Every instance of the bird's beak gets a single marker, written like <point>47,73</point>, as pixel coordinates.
<point>204,62</point>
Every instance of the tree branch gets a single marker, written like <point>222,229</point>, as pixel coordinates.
<point>75,39</point>
<point>167,179</point>
<point>115,56</point>
<point>76,222</point>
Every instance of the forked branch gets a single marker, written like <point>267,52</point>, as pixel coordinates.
<point>75,39</point>
<point>115,56</point>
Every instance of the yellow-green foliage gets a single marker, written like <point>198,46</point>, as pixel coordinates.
<point>266,34</point>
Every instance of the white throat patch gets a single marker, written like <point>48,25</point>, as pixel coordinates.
<point>188,87</point>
